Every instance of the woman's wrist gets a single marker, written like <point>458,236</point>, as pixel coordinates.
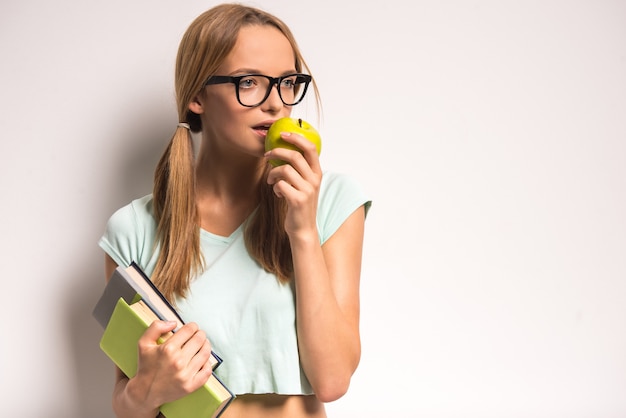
<point>135,400</point>
<point>304,237</point>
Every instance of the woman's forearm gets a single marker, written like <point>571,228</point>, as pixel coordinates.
<point>327,299</point>
<point>129,400</point>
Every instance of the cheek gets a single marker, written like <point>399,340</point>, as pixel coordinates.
<point>219,97</point>
<point>225,118</point>
<point>219,109</point>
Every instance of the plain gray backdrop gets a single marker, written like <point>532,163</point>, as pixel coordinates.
<point>491,136</point>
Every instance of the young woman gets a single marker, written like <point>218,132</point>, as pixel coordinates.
<point>263,261</point>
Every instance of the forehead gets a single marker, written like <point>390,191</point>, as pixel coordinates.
<point>262,49</point>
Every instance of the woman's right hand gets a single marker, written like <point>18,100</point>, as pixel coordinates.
<point>166,371</point>
<point>172,369</point>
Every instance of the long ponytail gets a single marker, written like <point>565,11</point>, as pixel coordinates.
<point>175,210</point>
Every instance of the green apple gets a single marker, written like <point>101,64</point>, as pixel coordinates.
<point>298,126</point>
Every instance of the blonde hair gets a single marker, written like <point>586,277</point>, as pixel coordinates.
<point>203,48</point>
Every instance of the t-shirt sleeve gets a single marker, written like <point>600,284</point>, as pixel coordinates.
<point>127,237</point>
<point>116,241</point>
<point>340,196</point>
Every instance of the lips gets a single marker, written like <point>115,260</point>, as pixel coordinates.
<point>262,127</point>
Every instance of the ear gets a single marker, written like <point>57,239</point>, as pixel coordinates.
<point>196,105</point>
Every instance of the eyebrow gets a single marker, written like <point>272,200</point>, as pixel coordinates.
<point>243,71</point>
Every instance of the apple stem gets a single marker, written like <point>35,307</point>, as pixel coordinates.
<point>300,122</point>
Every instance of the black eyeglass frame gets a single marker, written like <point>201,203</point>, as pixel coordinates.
<point>223,79</point>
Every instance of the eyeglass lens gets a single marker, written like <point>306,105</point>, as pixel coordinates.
<point>254,89</point>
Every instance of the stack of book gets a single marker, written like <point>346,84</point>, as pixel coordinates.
<point>129,303</point>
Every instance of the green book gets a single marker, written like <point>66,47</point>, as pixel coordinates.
<point>130,284</point>
<point>119,341</point>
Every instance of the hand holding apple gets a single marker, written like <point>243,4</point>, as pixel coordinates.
<point>298,126</point>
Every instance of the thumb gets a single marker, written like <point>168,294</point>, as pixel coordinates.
<point>157,329</point>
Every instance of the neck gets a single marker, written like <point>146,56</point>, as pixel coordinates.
<point>228,179</point>
<point>226,194</point>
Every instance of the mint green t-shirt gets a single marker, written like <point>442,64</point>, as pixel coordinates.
<point>247,314</point>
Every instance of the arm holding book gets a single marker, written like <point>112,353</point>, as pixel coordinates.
<point>166,371</point>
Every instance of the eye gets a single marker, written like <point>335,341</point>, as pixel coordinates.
<point>248,83</point>
<point>289,82</point>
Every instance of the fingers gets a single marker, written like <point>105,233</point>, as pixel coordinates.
<point>286,178</point>
<point>201,364</point>
<point>307,159</point>
<point>177,366</point>
<point>155,331</point>
<point>185,332</point>
<point>193,345</point>
<point>193,354</point>
<point>188,350</point>
<point>301,173</point>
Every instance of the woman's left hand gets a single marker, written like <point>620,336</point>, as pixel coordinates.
<point>298,182</point>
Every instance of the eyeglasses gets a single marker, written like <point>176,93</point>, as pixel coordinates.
<point>253,89</point>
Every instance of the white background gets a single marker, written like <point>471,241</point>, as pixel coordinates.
<point>490,134</point>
